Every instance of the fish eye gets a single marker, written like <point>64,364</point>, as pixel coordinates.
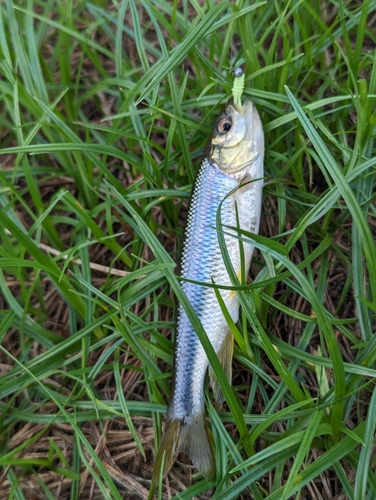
<point>224,125</point>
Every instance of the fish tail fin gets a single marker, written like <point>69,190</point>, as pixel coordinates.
<point>197,442</point>
<point>191,436</point>
<point>168,448</point>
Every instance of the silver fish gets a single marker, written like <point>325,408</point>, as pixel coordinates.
<point>230,174</point>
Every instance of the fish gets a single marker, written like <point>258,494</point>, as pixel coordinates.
<point>230,178</point>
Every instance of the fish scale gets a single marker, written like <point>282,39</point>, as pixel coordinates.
<point>229,179</point>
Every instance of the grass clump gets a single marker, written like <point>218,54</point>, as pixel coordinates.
<point>105,110</point>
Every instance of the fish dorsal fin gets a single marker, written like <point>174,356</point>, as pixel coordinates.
<point>224,354</point>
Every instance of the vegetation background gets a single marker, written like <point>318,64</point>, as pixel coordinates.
<point>105,108</point>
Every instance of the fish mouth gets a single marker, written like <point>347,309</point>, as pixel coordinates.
<point>246,108</point>
<point>250,114</point>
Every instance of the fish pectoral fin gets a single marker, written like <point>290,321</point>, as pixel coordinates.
<point>191,436</point>
<point>224,354</point>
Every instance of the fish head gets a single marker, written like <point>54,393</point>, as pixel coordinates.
<point>237,140</point>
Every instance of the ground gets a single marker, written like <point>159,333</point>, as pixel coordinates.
<point>86,305</point>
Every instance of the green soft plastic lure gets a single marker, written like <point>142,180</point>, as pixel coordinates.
<point>238,85</point>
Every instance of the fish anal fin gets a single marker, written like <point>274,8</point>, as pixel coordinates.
<point>190,435</point>
<point>224,354</point>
